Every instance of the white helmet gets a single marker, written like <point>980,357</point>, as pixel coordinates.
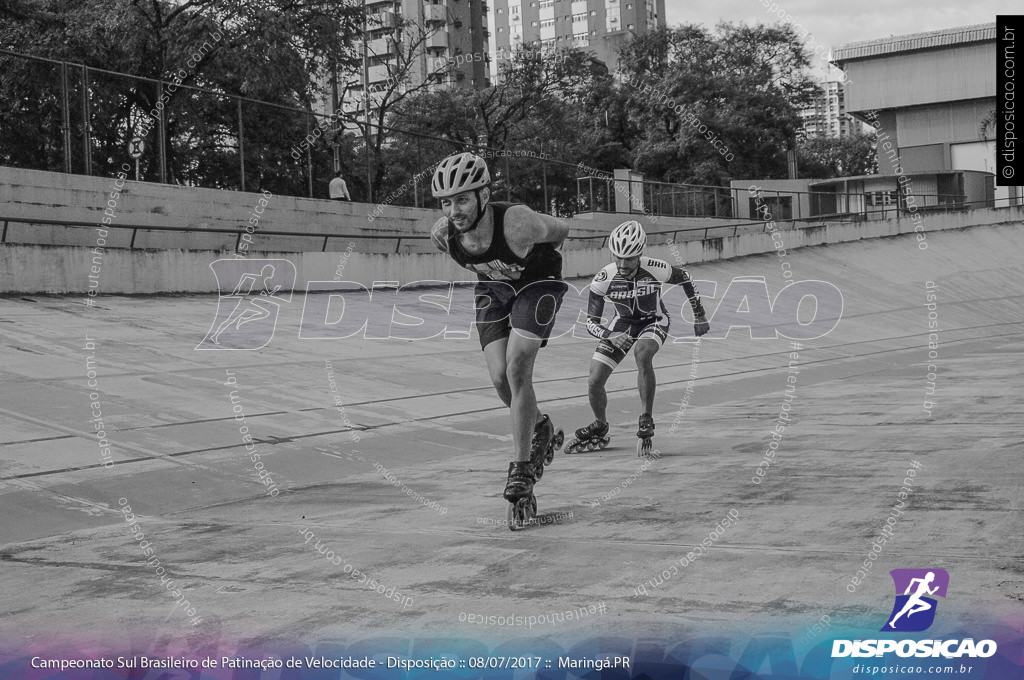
<point>458,173</point>
<point>627,240</point>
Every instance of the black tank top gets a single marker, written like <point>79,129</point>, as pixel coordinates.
<point>499,263</point>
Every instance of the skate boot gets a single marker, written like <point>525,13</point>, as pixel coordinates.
<point>644,433</point>
<point>546,440</point>
<point>520,481</point>
<point>589,438</point>
<point>519,493</point>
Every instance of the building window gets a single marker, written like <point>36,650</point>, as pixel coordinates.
<point>629,26</point>
<point>772,207</point>
<point>533,23</point>
<point>879,199</point>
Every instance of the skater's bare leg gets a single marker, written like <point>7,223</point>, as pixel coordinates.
<point>495,356</point>
<point>646,382</point>
<point>599,374</point>
<point>521,355</point>
<point>497,366</point>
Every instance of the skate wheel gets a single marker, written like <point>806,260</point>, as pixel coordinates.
<point>593,446</point>
<point>643,447</point>
<point>571,447</point>
<point>604,443</point>
<point>521,512</point>
<point>557,441</point>
<point>538,472</point>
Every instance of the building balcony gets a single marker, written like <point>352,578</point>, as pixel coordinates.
<point>380,46</point>
<point>435,14</point>
<point>382,19</point>
<point>438,39</point>
<point>377,74</point>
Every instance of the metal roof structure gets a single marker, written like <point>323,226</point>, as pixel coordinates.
<point>961,35</point>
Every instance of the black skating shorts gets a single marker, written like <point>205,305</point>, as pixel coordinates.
<point>529,310</point>
<point>611,351</point>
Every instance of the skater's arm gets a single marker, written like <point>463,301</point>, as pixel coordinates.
<point>681,276</point>
<point>595,310</point>
<point>700,320</point>
<point>524,227</point>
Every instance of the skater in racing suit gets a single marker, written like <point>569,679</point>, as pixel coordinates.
<point>641,322</point>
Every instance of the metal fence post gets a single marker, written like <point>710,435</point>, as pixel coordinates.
<point>241,143</point>
<point>86,113</point>
<point>544,178</point>
<point>508,182</point>
<point>161,143</point>
<point>65,109</point>
<point>309,160</point>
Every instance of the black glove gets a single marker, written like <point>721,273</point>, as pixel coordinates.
<point>700,325</point>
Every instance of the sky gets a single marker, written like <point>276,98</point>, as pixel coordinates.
<point>837,23</point>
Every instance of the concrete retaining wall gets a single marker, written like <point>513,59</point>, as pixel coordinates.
<point>67,269</point>
<point>38,195</point>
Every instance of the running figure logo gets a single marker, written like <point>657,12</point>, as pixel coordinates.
<point>914,611</point>
<point>247,315</point>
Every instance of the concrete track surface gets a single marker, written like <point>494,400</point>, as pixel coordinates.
<point>401,476</point>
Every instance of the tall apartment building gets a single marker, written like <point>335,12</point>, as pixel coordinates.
<point>440,41</point>
<point>827,117</point>
<point>599,27</point>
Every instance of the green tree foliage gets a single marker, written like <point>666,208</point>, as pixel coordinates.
<point>273,50</point>
<point>696,93</point>
<point>828,157</point>
<point>544,106</point>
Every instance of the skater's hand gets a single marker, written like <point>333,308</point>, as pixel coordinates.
<point>701,325</point>
<point>623,341</point>
<point>597,330</point>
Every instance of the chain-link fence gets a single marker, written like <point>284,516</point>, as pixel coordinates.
<point>65,117</point>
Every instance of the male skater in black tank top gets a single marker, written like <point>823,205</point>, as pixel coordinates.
<point>512,249</point>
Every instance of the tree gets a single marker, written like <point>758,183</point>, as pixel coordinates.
<point>273,50</point>
<point>544,106</point>
<point>715,105</point>
<point>987,124</point>
<point>400,54</point>
<point>828,157</point>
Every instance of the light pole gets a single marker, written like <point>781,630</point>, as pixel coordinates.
<point>366,110</point>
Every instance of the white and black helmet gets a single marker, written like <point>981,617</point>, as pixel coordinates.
<point>627,240</point>
<point>458,173</point>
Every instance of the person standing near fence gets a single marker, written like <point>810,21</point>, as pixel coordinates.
<point>338,189</point>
